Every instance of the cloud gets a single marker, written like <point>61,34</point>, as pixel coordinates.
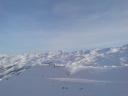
<point>73,8</point>
<point>66,24</point>
<point>87,40</point>
<point>90,27</point>
<point>95,32</point>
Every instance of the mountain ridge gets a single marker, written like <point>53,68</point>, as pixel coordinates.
<point>71,61</point>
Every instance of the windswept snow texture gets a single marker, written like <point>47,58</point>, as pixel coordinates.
<point>97,72</point>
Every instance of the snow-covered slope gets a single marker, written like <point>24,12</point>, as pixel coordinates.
<point>39,81</point>
<point>96,72</point>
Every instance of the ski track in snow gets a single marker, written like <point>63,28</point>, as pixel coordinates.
<point>80,80</point>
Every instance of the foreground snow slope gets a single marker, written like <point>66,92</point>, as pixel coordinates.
<point>39,81</point>
<point>97,72</point>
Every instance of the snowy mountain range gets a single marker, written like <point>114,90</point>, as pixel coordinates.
<point>71,61</point>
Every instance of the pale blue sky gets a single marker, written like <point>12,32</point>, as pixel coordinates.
<point>31,25</point>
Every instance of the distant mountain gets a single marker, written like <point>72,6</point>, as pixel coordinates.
<point>71,61</point>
